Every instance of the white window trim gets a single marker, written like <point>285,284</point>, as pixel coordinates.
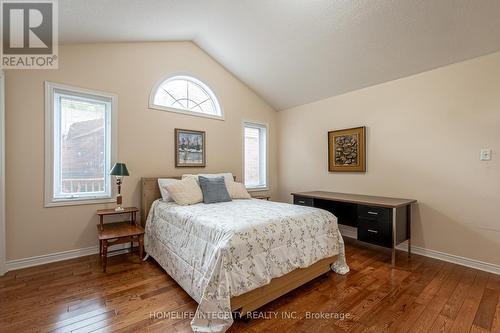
<point>209,90</point>
<point>266,126</point>
<point>49,144</point>
<point>3,239</point>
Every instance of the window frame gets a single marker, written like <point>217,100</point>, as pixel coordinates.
<point>51,89</point>
<point>210,91</point>
<point>3,259</point>
<point>265,169</point>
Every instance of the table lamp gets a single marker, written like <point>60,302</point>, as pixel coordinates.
<point>119,170</point>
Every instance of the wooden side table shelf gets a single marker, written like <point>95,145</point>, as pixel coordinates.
<point>118,232</point>
<point>261,196</point>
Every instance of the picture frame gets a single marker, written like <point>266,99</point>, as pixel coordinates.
<point>190,148</point>
<point>347,150</point>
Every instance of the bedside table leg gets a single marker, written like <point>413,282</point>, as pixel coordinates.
<point>141,246</point>
<point>104,255</point>
<point>100,249</point>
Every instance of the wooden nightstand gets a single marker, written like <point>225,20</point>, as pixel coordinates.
<point>118,232</point>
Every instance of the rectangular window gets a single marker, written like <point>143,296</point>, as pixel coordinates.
<point>255,156</point>
<point>80,148</point>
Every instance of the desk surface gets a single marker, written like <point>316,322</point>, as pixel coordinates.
<point>357,198</point>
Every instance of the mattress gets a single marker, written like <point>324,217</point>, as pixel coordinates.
<point>218,251</point>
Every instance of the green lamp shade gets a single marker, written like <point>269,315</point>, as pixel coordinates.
<point>119,169</point>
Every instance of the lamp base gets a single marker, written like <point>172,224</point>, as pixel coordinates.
<point>119,207</point>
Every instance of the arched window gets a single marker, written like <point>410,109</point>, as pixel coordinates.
<point>185,94</point>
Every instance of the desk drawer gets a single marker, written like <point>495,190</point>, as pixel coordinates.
<point>375,232</point>
<point>375,213</point>
<point>303,201</point>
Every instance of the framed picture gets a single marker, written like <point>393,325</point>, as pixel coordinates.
<point>347,150</point>
<point>189,148</point>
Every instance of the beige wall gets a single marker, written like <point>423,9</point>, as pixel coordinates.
<point>424,135</point>
<point>146,137</point>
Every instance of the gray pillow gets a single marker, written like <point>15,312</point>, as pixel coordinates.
<point>214,189</point>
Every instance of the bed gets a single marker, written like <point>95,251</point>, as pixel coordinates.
<point>237,256</point>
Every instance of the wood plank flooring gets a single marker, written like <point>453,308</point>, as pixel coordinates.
<point>419,295</point>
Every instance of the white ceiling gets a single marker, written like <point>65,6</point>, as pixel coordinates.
<point>296,51</point>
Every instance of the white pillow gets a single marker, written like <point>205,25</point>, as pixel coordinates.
<point>185,192</point>
<point>237,191</point>
<point>162,182</point>
<point>228,176</point>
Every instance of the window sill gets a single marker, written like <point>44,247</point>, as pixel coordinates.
<point>77,202</point>
<point>258,189</point>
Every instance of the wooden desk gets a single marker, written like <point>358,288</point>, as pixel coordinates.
<point>379,220</point>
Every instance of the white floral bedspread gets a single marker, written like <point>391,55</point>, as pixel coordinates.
<point>222,250</point>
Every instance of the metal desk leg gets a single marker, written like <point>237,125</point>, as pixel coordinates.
<point>393,258</point>
<point>408,228</point>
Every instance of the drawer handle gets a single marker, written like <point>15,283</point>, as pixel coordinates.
<point>302,202</point>
<point>373,231</point>
<point>373,213</point>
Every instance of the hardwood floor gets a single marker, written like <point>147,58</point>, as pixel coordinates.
<point>420,295</point>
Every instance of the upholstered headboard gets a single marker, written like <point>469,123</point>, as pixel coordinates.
<point>150,191</point>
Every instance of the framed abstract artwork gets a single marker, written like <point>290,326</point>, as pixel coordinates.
<point>189,148</point>
<point>347,150</point>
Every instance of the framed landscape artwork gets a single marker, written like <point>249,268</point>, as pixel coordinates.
<point>189,148</point>
<point>347,150</point>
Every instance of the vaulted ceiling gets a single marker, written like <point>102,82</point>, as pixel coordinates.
<point>293,52</point>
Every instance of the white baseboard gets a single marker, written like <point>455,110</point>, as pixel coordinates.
<point>352,232</point>
<point>472,263</point>
<point>59,256</point>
